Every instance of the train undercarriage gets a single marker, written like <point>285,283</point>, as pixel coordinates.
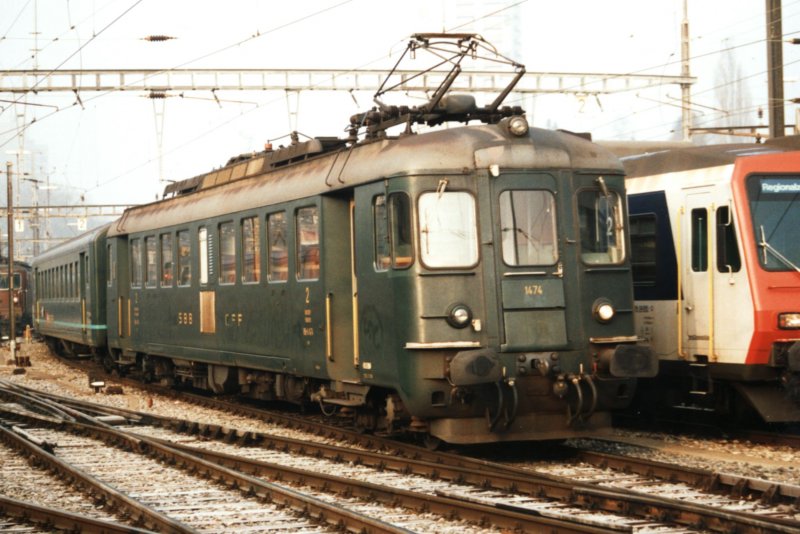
<point>531,408</point>
<point>725,393</point>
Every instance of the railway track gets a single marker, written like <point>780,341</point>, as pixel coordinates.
<point>495,485</point>
<point>788,436</point>
<point>29,518</point>
<point>176,468</point>
<point>167,491</point>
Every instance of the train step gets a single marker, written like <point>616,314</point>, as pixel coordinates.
<point>692,408</point>
<point>702,385</point>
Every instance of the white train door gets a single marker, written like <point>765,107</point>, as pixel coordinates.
<point>696,322</point>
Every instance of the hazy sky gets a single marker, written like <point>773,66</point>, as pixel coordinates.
<point>106,150</point>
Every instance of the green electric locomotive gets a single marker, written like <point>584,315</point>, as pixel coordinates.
<point>470,284</point>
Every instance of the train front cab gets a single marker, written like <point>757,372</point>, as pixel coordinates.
<point>515,318</point>
<point>767,188</point>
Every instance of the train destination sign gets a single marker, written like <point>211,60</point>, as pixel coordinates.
<point>780,185</point>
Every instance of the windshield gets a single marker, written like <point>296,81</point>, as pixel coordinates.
<point>4,281</point>
<point>528,221</point>
<point>600,217</point>
<point>775,209</point>
<point>448,229</point>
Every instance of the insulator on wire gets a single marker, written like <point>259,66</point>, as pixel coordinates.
<point>158,38</point>
<point>157,95</point>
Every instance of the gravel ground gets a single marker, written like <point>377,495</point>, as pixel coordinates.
<point>776,463</point>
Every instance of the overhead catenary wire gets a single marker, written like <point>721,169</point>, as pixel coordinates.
<point>716,87</point>
<point>228,121</point>
<point>20,130</point>
<point>713,117</point>
<point>14,22</point>
<point>60,37</point>
<point>80,48</point>
<point>272,101</point>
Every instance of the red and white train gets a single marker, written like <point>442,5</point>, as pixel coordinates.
<point>715,236</point>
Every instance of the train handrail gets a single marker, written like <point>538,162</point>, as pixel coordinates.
<point>679,218</point>
<point>712,235</point>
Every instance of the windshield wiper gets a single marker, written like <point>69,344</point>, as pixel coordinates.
<point>767,247</point>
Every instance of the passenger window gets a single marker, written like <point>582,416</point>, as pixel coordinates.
<point>643,248</point>
<point>136,263</point>
<point>528,225</point>
<point>727,248</point>
<point>167,263</point>
<point>699,240</point>
<point>278,259</point>
<point>400,231</point>
<point>152,270</point>
<point>111,264</point>
<point>87,275</point>
<point>251,251</point>
<point>383,257</point>
<point>307,244</point>
<point>227,253</point>
<point>448,229</point>
<point>202,241</point>
<point>184,259</point>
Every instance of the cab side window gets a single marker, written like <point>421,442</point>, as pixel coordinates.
<point>308,244</point>
<point>184,259</point>
<point>251,250</point>
<point>136,262</point>
<point>227,253</point>
<point>278,249</point>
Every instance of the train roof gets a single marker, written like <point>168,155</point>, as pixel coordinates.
<point>448,151</point>
<point>685,158</point>
<point>18,264</point>
<point>75,244</point>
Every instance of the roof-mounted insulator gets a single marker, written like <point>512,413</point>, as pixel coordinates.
<point>158,38</point>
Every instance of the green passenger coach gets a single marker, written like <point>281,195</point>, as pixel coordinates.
<point>69,294</point>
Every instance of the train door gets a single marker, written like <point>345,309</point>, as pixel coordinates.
<point>340,283</point>
<point>383,245</point>
<point>118,294</point>
<point>83,293</point>
<point>696,311</point>
<point>529,262</point>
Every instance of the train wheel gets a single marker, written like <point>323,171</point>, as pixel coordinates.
<point>365,420</point>
<point>108,362</point>
<point>432,443</point>
<point>66,349</point>
<point>52,345</point>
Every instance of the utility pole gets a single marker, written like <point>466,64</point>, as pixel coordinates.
<point>12,337</point>
<point>777,125</point>
<point>686,88</point>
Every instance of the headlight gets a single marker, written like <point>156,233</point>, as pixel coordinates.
<point>459,316</point>
<point>518,126</point>
<point>16,300</point>
<point>603,310</point>
<point>789,321</point>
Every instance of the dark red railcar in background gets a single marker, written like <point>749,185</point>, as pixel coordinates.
<point>18,293</point>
